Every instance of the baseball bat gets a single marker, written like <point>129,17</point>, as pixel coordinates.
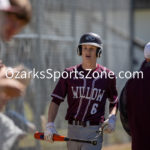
<point>56,137</point>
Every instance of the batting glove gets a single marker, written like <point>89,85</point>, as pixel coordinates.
<point>109,124</point>
<point>50,130</point>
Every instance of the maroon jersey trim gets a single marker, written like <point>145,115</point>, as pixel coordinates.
<point>115,101</point>
<point>57,96</point>
<point>86,110</point>
<point>80,102</point>
<point>56,100</point>
<point>93,83</point>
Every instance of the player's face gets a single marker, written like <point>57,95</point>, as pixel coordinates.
<point>11,25</point>
<point>89,53</point>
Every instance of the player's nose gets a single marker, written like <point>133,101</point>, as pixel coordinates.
<point>88,50</point>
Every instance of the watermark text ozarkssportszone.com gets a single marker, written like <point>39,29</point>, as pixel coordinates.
<point>55,75</point>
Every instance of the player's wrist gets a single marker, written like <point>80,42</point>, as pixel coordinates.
<point>50,124</point>
<point>112,117</point>
<point>50,129</point>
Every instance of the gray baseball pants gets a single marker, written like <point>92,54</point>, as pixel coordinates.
<point>86,133</point>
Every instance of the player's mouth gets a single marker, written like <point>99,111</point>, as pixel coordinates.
<point>87,56</point>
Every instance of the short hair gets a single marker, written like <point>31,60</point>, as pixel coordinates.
<point>21,8</point>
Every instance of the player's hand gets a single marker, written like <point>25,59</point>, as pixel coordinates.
<point>50,130</point>
<point>109,124</point>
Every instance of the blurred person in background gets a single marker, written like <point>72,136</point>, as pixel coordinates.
<point>14,15</point>
<point>9,89</point>
<point>134,105</point>
<point>13,126</point>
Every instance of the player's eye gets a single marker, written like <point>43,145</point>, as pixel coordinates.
<point>91,49</point>
<point>84,48</point>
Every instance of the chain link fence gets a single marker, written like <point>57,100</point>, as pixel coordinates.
<point>50,42</point>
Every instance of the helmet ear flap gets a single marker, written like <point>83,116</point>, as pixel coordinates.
<point>98,52</point>
<point>79,50</point>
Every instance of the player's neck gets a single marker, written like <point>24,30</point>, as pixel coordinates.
<point>89,66</point>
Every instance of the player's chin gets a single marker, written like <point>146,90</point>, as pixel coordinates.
<point>87,58</point>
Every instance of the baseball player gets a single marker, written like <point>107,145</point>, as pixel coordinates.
<point>86,97</point>
<point>134,106</point>
<point>14,15</point>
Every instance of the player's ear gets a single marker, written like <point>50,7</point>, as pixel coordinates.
<point>79,50</point>
<point>98,52</point>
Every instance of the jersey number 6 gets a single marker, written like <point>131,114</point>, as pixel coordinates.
<point>94,108</point>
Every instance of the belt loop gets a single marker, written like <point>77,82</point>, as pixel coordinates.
<point>87,123</point>
<point>76,122</point>
<point>73,122</point>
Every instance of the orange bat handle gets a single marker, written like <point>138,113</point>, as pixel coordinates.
<point>56,137</point>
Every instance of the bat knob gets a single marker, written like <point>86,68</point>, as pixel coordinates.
<point>94,142</point>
